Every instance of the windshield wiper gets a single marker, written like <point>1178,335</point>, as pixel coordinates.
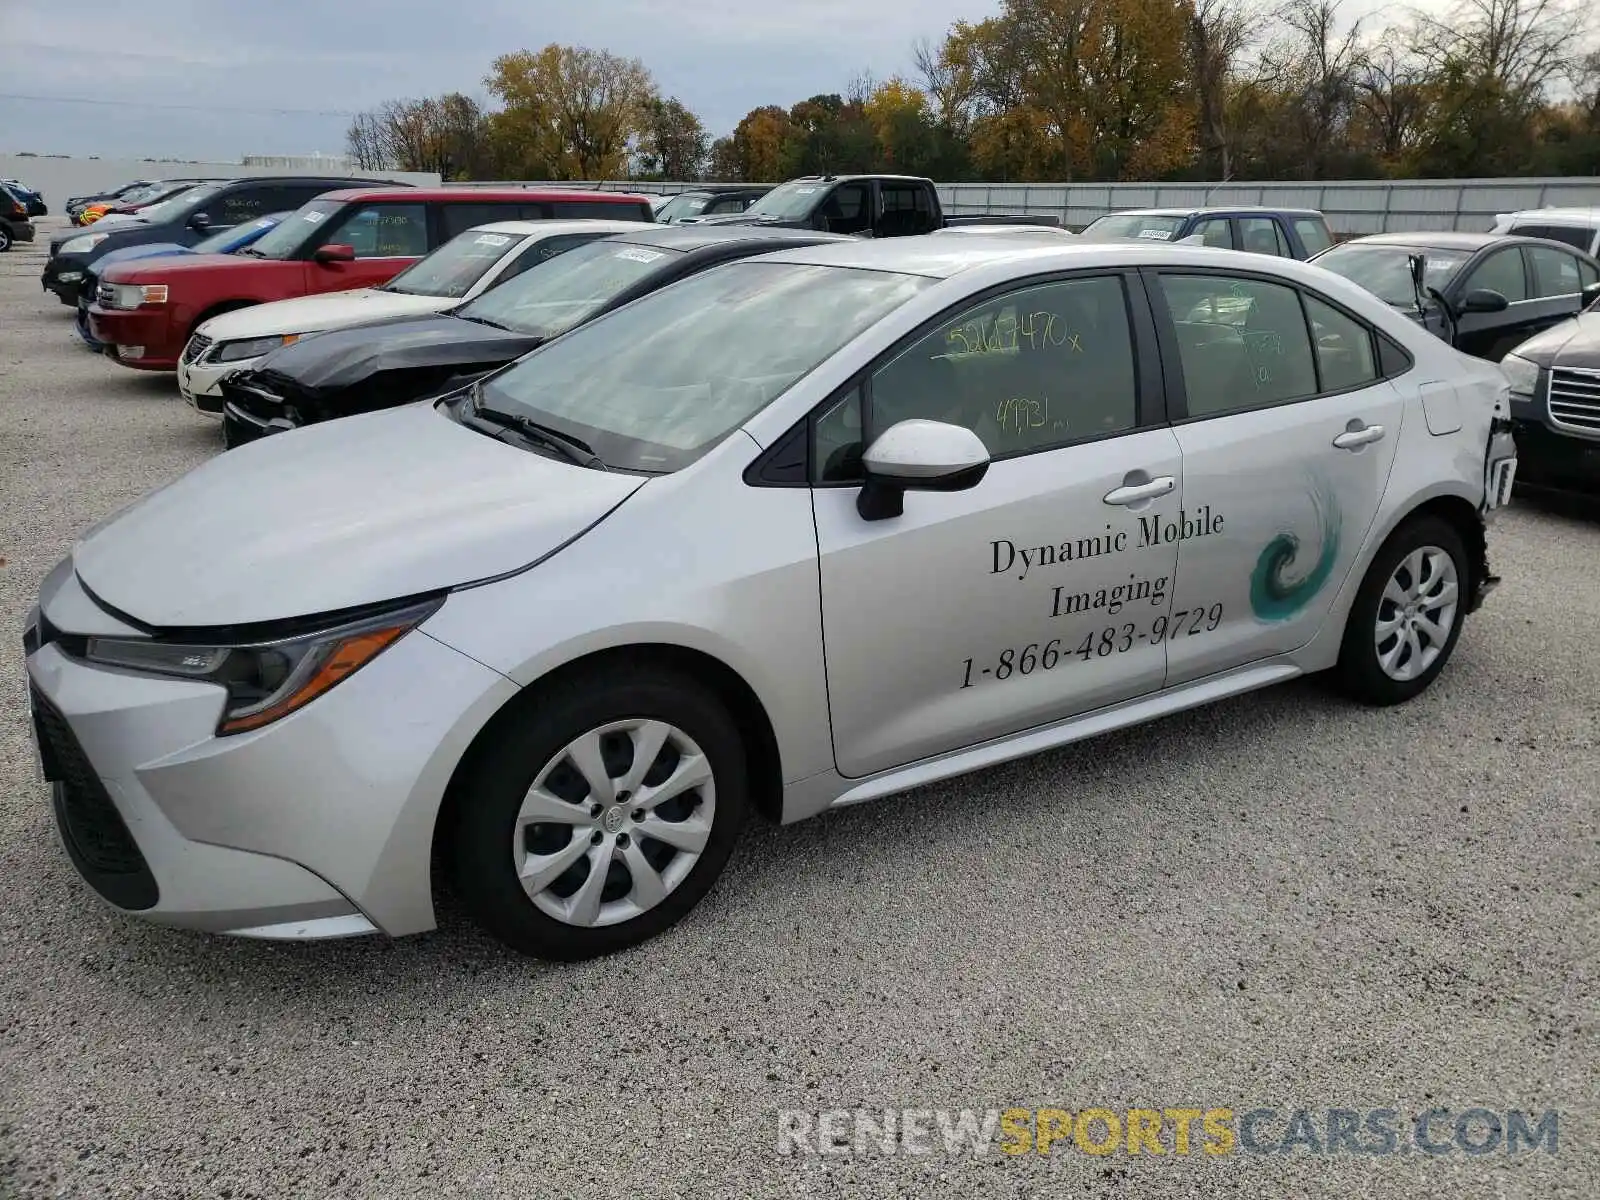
<point>251,251</point>
<point>578,451</point>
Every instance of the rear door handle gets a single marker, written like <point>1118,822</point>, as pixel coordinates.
<point>1354,439</point>
<point>1133,493</point>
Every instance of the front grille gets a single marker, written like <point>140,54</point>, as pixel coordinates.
<point>96,837</point>
<point>1575,399</point>
<point>197,346</point>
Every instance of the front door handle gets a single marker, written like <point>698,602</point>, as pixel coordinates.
<point>1354,439</point>
<point>1133,493</point>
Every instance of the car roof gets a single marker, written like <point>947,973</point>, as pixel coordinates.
<point>863,175</point>
<point>1443,239</point>
<point>401,192</point>
<point>558,227</point>
<point>1214,210</point>
<point>689,238</point>
<point>1579,216</point>
<point>718,189</point>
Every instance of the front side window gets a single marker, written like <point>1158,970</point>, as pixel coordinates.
<point>382,231</point>
<point>568,289</point>
<point>1500,272</point>
<point>657,383</point>
<point>1215,231</point>
<point>847,210</point>
<point>1026,371</point>
<point>241,205</point>
<point>1243,342</point>
<point>1555,273</point>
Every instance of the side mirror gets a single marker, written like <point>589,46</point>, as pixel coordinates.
<point>199,222</point>
<point>1589,295</point>
<point>918,455</point>
<point>1483,300</point>
<point>335,252</point>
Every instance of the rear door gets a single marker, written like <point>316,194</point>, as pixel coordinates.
<point>1263,235</point>
<point>1288,433</point>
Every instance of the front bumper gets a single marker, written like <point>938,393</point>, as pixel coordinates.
<point>21,231</point>
<point>199,382</point>
<point>1564,461</point>
<point>320,824</point>
<point>147,330</point>
<point>63,276</point>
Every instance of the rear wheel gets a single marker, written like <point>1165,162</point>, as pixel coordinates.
<point>1407,616</point>
<point>5,238</point>
<point>601,814</point>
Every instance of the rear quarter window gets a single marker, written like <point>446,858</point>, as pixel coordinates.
<point>1314,233</point>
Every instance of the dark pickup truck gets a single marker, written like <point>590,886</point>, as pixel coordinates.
<point>863,205</point>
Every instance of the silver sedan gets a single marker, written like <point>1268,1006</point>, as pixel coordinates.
<point>794,533</point>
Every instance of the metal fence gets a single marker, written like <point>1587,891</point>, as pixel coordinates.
<point>1351,207</point>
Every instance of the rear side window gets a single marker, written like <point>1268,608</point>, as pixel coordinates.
<point>458,218</point>
<point>1572,235</point>
<point>1243,343</point>
<point>1261,235</point>
<point>599,209</point>
<point>1313,233</point>
<point>1343,347</point>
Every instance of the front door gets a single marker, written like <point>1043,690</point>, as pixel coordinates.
<point>1042,592</point>
<point>1287,441</point>
<point>1492,335</point>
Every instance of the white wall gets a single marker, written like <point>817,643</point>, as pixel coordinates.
<point>59,178</point>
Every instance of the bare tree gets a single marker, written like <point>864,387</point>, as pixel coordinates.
<point>1217,34</point>
<point>1314,67</point>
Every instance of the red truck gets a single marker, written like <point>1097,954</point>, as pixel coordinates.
<point>144,311</point>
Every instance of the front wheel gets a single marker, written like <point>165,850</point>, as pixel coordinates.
<point>5,239</point>
<point>600,814</point>
<point>1407,616</point>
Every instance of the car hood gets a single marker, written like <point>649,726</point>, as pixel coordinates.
<point>134,253</point>
<point>1574,343</point>
<point>311,314</point>
<point>343,357</point>
<point>130,272</point>
<point>356,511</point>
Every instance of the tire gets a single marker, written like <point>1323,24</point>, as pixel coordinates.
<point>487,850</point>
<point>5,239</point>
<point>1384,671</point>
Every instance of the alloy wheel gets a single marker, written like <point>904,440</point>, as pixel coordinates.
<point>614,822</point>
<point>1416,613</point>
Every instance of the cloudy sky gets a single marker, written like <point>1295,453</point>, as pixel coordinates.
<point>223,78</point>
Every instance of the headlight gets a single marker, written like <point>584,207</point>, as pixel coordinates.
<point>132,295</point>
<point>1522,374</point>
<point>252,347</point>
<point>267,680</point>
<point>69,276</point>
<point>84,244</point>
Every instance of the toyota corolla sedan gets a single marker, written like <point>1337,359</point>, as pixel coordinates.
<point>794,533</point>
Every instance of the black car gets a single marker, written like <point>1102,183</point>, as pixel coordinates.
<point>1555,404</point>
<point>14,223</point>
<point>34,200</point>
<point>709,200</point>
<point>195,213</point>
<point>393,362</point>
<point>1484,293</point>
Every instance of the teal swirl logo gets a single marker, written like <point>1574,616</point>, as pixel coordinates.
<point>1276,592</point>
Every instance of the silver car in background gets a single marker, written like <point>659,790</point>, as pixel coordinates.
<point>795,533</point>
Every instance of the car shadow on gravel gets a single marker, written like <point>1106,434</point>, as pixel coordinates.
<point>1574,506</point>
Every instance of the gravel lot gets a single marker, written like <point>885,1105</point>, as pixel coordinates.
<point>1279,901</point>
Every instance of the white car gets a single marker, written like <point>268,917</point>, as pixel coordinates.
<point>465,267</point>
<point>795,532</point>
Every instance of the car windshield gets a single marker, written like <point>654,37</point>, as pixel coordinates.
<point>285,241</point>
<point>236,236</point>
<point>654,385</point>
<point>1385,271</point>
<point>175,204</point>
<point>1135,225</point>
<point>685,204</point>
<point>139,195</point>
<point>788,200</point>
<point>455,266</point>
<point>558,293</point>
